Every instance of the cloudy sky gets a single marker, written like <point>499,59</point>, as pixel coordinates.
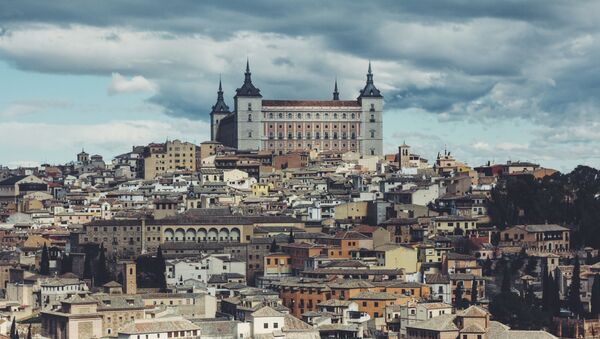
<point>488,80</point>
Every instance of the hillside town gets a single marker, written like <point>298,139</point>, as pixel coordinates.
<point>176,240</point>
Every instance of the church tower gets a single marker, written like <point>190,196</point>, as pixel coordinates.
<point>404,156</point>
<point>371,102</point>
<point>336,94</point>
<point>219,111</point>
<point>248,114</point>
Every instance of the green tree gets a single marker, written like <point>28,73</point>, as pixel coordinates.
<point>595,299</point>
<point>274,247</point>
<point>291,238</point>
<point>14,334</point>
<point>474,292</point>
<point>45,261</point>
<point>574,296</point>
<point>510,309</point>
<point>102,273</point>
<point>160,269</point>
<point>531,265</point>
<point>487,267</point>
<point>506,280</point>
<point>458,295</point>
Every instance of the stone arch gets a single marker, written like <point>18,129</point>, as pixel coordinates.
<point>202,234</point>
<point>179,235</point>
<point>168,235</point>
<point>223,234</point>
<point>235,234</point>
<point>213,234</point>
<point>190,234</point>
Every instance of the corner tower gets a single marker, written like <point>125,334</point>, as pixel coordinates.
<point>219,111</point>
<point>248,114</point>
<point>371,102</point>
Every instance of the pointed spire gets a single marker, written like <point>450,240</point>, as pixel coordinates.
<point>336,94</point>
<point>248,89</point>
<point>370,90</point>
<point>220,106</point>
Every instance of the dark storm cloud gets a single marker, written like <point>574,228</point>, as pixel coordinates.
<point>486,58</point>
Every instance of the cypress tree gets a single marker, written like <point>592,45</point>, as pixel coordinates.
<point>160,269</point>
<point>291,238</point>
<point>575,289</point>
<point>45,261</point>
<point>458,296</point>
<point>546,292</point>
<point>474,292</point>
<point>29,334</point>
<point>274,248</point>
<point>87,266</point>
<point>102,274</point>
<point>13,329</point>
<point>554,297</point>
<point>595,300</point>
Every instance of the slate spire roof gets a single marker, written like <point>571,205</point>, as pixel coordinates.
<point>370,91</point>
<point>220,106</point>
<point>248,89</point>
<point>336,94</point>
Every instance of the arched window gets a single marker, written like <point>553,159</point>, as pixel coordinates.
<point>353,115</point>
<point>372,117</point>
<point>249,116</point>
<point>344,116</point>
<point>318,115</point>
<point>326,135</point>
<point>280,136</point>
<point>344,135</point>
<point>372,133</point>
<point>299,135</point>
<point>249,106</point>
<point>353,135</point>
<point>280,115</point>
<point>249,134</point>
<point>317,135</point>
<point>270,135</point>
<point>335,115</point>
<point>271,115</point>
<point>307,135</point>
<point>326,115</point>
<point>308,115</point>
<point>335,135</point>
<point>289,115</point>
<point>372,107</point>
<point>299,115</point>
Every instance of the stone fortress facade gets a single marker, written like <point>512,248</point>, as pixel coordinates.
<point>282,126</point>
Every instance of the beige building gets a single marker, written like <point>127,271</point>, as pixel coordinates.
<point>168,157</point>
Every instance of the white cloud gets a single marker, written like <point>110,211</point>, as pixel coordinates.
<point>120,84</point>
<point>18,109</point>
<point>32,140</point>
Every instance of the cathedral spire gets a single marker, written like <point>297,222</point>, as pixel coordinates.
<point>336,94</point>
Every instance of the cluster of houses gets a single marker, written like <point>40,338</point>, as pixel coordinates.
<point>258,245</point>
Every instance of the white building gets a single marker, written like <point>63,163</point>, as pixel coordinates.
<point>202,269</point>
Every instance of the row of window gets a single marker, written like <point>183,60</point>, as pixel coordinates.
<point>317,135</point>
<point>310,116</point>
